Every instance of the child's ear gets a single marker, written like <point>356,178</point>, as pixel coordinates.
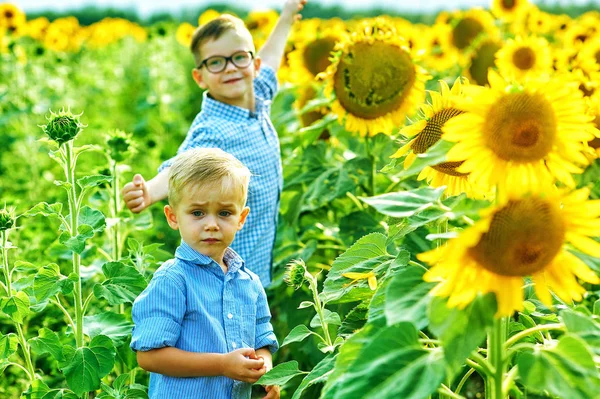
<point>243,217</point>
<point>257,62</point>
<point>171,217</point>
<point>198,78</point>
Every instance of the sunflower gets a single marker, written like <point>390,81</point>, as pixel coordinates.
<point>440,54</point>
<point>11,17</point>
<point>520,237</point>
<point>428,131</point>
<point>588,58</point>
<point>470,24</point>
<point>509,10</point>
<point>36,28</point>
<point>313,46</point>
<point>260,23</point>
<point>520,138</point>
<point>481,59</point>
<point>374,79</point>
<point>184,34</point>
<point>208,16</point>
<point>523,57</point>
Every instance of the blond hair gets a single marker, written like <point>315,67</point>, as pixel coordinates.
<point>214,30</point>
<point>206,166</point>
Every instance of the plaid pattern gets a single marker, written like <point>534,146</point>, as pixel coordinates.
<point>192,305</point>
<point>250,137</point>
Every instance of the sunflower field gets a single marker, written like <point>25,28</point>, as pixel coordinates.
<point>439,226</point>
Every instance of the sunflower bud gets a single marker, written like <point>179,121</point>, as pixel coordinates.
<point>62,127</point>
<point>7,219</point>
<point>120,145</point>
<point>295,273</point>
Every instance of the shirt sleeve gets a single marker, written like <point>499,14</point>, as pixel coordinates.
<point>157,314</point>
<point>199,137</point>
<point>265,84</point>
<point>264,330</point>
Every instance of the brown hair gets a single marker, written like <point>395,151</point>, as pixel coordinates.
<point>214,30</point>
<point>206,166</point>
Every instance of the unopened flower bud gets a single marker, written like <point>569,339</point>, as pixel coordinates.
<point>295,274</point>
<point>7,219</point>
<point>120,145</point>
<point>63,126</point>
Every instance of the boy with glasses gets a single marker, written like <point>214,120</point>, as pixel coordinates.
<point>240,85</point>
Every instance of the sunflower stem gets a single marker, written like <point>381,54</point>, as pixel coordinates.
<point>496,341</point>
<point>373,166</point>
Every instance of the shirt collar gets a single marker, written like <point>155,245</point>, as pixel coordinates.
<point>188,254</point>
<point>212,107</point>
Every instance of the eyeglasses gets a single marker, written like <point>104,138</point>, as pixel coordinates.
<point>218,63</point>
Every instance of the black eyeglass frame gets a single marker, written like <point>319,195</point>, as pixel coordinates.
<point>227,60</point>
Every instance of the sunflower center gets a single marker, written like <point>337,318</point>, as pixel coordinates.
<point>316,54</point>
<point>465,31</point>
<point>483,59</point>
<point>431,134</point>
<point>524,58</point>
<point>586,92</point>
<point>523,238</point>
<point>597,57</point>
<point>520,127</point>
<point>8,14</point>
<point>508,4</point>
<point>373,79</point>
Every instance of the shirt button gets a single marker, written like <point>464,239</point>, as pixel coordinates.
<point>234,345</point>
<point>229,316</point>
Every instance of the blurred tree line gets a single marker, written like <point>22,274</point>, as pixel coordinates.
<point>91,14</point>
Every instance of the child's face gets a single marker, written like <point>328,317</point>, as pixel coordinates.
<point>234,85</point>
<point>208,216</point>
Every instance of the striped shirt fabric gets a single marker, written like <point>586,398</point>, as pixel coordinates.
<point>192,305</point>
<point>250,137</point>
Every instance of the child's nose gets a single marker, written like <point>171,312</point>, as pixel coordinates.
<point>211,223</point>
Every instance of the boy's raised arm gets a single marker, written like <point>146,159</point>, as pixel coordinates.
<point>139,194</point>
<point>272,51</point>
<point>241,364</point>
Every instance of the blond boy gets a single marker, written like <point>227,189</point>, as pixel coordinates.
<point>202,326</point>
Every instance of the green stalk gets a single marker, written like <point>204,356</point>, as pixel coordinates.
<point>496,341</point>
<point>20,335</point>
<point>74,210</point>
<point>115,213</point>
<point>373,166</point>
<point>319,307</point>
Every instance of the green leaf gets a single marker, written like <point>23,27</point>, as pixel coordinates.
<point>8,345</point>
<point>64,184</point>
<point>280,374</point>
<point>45,210</point>
<point>434,155</point>
<point>331,318</point>
<point>113,325</point>
<point>48,282</point>
<point>84,367</point>
<point>16,306</point>
<point>366,255</point>
<point>77,243</point>
<point>93,181</point>
<point>461,330</point>
<point>404,204</point>
<point>312,132</point>
<point>122,285</point>
<point>93,218</point>
<point>297,334</point>
<point>317,375</point>
<point>392,365</point>
<point>583,326</point>
<point>408,297</point>
<point>566,370</point>
<point>47,341</point>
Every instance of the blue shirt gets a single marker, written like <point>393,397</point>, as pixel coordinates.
<point>251,138</point>
<point>192,305</point>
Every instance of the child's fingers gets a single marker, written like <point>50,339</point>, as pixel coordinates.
<point>255,364</point>
<point>138,180</point>
<point>272,392</point>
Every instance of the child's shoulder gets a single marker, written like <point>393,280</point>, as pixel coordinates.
<point>245,273</point>
<point>171,269</point>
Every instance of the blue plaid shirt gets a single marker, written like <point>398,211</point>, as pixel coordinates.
<point>250,137</point>
<point>192,305</point>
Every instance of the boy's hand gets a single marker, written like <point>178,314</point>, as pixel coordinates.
<point>243,365</point>
<point>291,8</point>
<point>272,392</point>
<point>136,194</point>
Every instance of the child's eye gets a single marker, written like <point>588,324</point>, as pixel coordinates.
<point>225,213</point>
<point>197,213</point>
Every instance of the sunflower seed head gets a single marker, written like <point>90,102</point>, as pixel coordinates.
<point>120,145</point>
<point>7,219</point>
<point>62,126</point>
<point>295,273</point>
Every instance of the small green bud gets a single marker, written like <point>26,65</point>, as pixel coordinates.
<point>295,274</point>
<point>63,126</point>
<point>7,219</point>
<point>120,145</point>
